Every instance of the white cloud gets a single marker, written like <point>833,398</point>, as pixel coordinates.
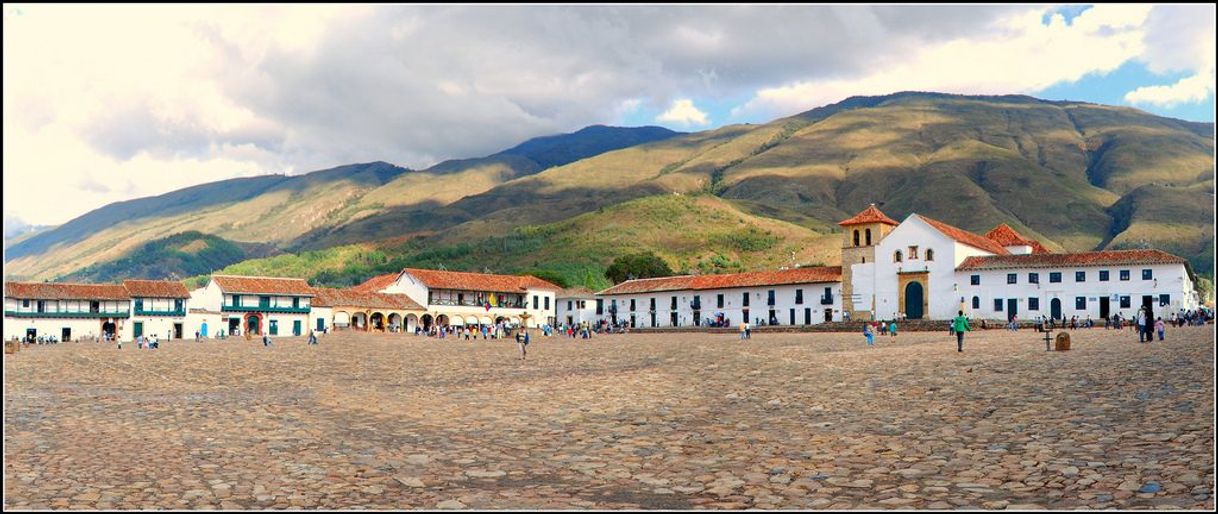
<point>1024,55</point>
<point>683,112</point>
<point>1195,88</point>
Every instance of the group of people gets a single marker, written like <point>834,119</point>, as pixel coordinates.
<point>468,332</point>
<point>144,342</point>
<point>883,327</point>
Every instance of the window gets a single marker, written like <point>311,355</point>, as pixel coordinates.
<point>1164,300</point>
<point>769,297</point>
<point>856,237</point>
<point>1103,275</point>
<point>896,256</point>
<point>653,305</point>
<point>799,297</point>
<point>913,253</point>
<point>868,233</point>
<point>697,303</point>
<point>568,304</point>
<point>632,305</point>
<point>600,306</point>
<point>745,301</point>
<point>674,304</point>
<point>139,304</point>
<point>1124,274</point>
<point>236,300</point>
<point>1080,276</point>
<point>295,303</point>
<point>1033,304</point>
<point>1011,278</point>
<point>1147,274</point>
<point>930,254</point>
<point>25,304</point>
<point>998,305</point>
<point>1033,278</point>
<point>1080,303</point>
<point>1055,277</point>
<point>974,280</point>
<point>547,303</point>
<point>1124,302</point>
<point>976,302</point>
<point>534,302</point>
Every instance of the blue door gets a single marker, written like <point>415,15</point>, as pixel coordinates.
<point>321,324</point>
<point>203,329</point>
<point>913,300</point>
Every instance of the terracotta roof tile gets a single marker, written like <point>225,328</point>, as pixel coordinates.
<point>64,291</point>
<point>575,292</point>
<point>871,214</point>
<point>727,281</point>
<point>435,279</point>
<point>332,297</point>
<point>156,289</point>
<point>377,283</point>
<point>1006,236</point>
<point>263,285</point>
<point>966,237</point>
<point>1054,260</point>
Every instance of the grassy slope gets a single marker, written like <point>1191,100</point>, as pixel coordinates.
<point>579,249</point>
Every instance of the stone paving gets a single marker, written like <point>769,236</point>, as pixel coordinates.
<point>660,421</point>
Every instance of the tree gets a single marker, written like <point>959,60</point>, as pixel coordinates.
<point>637,265</point>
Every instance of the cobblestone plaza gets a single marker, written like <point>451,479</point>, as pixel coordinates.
<point>678,420</point>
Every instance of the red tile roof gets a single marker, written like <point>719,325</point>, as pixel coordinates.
<point>332,297</point>
<point>377,283</point>
<point>263,285</point>
<point>966,237</point>
<point>435,279</point>
<point>575,292</point>
<point>1006,236</point>
<point>727,281</point>
<point>156,289</point>
<point>869,215</point>
<point>1055,260</point>
<point>64,291</point>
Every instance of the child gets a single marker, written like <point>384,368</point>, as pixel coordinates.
<point>1160,327</point>
<point>867,333</point>
<point>892,328</point>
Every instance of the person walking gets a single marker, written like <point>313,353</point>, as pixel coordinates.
<point>1160,327</point>
<point>868,334</point>
<point>521,342</point>
<point>960,326</point>
<point>1141,325</point>
<point>312,337</point>
<point>892,328</point>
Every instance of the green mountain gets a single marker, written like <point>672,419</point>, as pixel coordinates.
<point>175,257</point>
<point>1075,175</point>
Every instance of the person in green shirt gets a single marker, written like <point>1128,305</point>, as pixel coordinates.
<point>960,325</point>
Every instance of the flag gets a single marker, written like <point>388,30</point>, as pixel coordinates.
<point>487,305</point>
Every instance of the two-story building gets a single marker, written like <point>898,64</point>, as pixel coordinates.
<point>457,298</point>
<point>254,305</point>
<point>576,306</point>
<point>158,307</point>
<point>794,296</point>
<point>69,312</point>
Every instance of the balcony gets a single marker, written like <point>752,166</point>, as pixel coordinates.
<point>826,300</point>
<point>259,308</point>
<point>169,313</point>
<point>85,314</point>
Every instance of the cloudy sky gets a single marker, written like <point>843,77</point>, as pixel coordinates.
<point>110,103</point>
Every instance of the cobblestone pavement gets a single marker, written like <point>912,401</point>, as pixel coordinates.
<point>636,421</point>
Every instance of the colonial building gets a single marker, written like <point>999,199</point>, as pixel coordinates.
<point>576,306</point>
<point>924,268</point>
<point>276,306</point>
<point>796,296</point>
<point>158,307</point>
<point>69,312</point>
<point>341,309</point>
<point>460,298</point>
